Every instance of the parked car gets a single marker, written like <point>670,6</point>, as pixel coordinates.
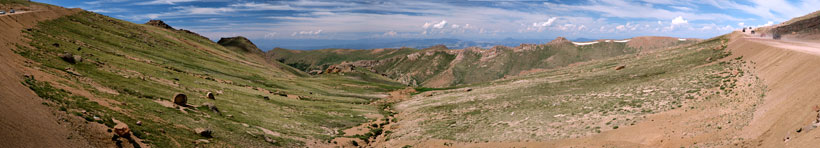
<point>11,11</point>
<point>2,12</point>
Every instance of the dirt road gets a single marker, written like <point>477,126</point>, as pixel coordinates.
<point>800,46</point>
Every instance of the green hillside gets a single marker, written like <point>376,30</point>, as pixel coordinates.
<point>131,71</point>
<point>445,67</point>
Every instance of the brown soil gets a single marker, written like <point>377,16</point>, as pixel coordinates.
<point>24,119</point>
<point>786,68</point>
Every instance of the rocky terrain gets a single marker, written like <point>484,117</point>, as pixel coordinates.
<point>439,66</point>
<point>74,78</point>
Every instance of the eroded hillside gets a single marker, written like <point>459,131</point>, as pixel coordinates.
<point>110,73</point>
<point>441,67</point>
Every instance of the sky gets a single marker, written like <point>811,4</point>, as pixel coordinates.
<point>265,20</point>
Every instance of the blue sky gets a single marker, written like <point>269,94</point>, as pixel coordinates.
<point>467,20</point>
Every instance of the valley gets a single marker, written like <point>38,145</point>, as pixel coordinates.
<point>76,78</point>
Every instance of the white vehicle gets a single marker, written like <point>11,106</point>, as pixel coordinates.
<point>2,12</point>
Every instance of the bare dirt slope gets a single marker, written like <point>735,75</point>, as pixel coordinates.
<point>781,115</point>
<point>24,120</point>
<point>790,70</point>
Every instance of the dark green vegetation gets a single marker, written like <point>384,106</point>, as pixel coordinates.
<point>444,68</point>
<point>131,72</point>
<point>571,101</point>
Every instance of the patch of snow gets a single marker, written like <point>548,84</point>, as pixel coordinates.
<point>622,41</point>
<point>681,39</point>
<point>584,43</point>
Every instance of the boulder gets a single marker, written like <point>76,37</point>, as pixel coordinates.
<point>620,67</point>
<point>68,57</point>
<point>180,99</point>
<point>122,130</point>
<point>204,132</point>
<point>269,140</point>
<point>212,107</point>
<point>210,96</point>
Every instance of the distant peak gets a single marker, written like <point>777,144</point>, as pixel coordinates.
<point>559,40</point>
<point>159,23</point>
<point>235,38</point>
<point>439,46</point>
<point>239,42</point>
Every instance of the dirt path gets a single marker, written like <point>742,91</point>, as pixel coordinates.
<point>800,46</point>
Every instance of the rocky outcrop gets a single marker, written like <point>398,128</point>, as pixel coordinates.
<point>239,43</point>
<point>160,24</point>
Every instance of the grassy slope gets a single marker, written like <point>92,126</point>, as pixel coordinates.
<point>146,64</point>
<point>320,59</point>
<point>567,102</point>
<point>440,68</point>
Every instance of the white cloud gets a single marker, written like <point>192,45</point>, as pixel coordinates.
<point>270,35</point>
<point>545,23</point>
<point>454,26</point>
<point>440,24</point>
<point>308,32</point>
<point>767,24</point>
<point>741,24</point>
<point>679,20</point>
<point>161,2</point>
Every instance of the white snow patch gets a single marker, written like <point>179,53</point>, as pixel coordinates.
<point>622,41</point>
<point>681,39</point>
<point>584,43</point>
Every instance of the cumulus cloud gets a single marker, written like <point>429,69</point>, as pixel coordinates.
<point>440,25</point>
<point>545,23</point>
<point>767,24</point>
<point>165,2</point>
<point>741,24</point>
<point>307,32</point>
<point>679,20</point>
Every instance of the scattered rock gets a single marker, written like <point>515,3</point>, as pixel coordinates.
<point>79,48</point>
<point>230,116</point>
<point>122,130</point>
<point>210,96</point>
<point>709,59</point>
<point>71,71</point>
<point>246,125</point>
<point>469,89</point>
<point>160,24</point>
<point>270,140</point>
<point>202,141</point>
<point>212,107</point>
<point>266,97</point>
<point>204,132</point>
<point>180,99</point>
<point>56,45</point>
<point>139,123</point>
<point>70,58</point>
<point>620,67</point>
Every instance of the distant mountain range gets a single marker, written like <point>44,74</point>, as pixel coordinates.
<point>312,44</point>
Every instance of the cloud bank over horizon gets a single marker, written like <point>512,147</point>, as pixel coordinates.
<point>466,20</point>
